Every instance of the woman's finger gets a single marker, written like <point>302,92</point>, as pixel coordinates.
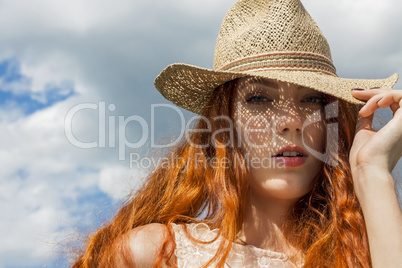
<point>365,94</point>
<point>364,122</point>
<point>385,101</point>
<point>371,105</point>
<point>362,135</point>
<point>395,106</point>
<point>398,109</point>
<point>381,99</point>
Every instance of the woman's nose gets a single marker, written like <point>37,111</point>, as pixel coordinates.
<point>290,123</point>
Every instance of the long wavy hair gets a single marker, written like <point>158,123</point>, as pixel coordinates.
<point>326,224</point>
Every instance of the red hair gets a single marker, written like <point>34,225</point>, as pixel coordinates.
<point>326,224</point>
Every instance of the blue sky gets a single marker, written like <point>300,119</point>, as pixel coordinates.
<point>71,53</point>
<point>23,98</point>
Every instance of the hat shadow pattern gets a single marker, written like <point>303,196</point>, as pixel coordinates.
<point>274,39</point>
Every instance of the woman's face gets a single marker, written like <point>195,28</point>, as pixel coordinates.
<point>278,126</point>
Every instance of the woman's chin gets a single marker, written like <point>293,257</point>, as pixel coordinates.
<point>282,188</point>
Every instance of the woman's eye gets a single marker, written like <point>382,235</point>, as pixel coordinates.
<point>315,99</point>
<point>257,99</point>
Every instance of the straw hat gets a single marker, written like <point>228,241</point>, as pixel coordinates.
<point>275,39</point>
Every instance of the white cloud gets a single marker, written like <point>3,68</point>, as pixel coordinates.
<point>10,112</point>
<point>363,35</point>
<point>40,181</point>
<point>55,67</point>
<point>41,16</point>
<point>119,181</point>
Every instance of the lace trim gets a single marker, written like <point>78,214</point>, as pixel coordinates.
<point>190,254</point>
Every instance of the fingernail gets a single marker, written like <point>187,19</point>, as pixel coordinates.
<point>358,89</point>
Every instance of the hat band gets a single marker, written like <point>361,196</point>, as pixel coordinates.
<point>283,60</point>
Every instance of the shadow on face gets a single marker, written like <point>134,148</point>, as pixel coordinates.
<point>281,132</point>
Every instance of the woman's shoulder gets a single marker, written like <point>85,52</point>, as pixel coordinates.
<point>141,246</point>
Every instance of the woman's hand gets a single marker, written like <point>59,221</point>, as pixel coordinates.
<point>377,150</point>
<point>372,157</point>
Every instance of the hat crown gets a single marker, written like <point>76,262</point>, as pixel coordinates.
<point>273,39</point>
<point>257,27</point>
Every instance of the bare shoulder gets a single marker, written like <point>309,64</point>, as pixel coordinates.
<point>148,238</point>
<point>141,246</point>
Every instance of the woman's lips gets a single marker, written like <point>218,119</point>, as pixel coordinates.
<point>283,156</point>
<point>290,161</point>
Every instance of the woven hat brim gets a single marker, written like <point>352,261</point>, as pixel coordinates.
<point>190,87</point>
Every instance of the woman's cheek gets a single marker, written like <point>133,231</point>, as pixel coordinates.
<point>257,134</point>
<point>314,137</point>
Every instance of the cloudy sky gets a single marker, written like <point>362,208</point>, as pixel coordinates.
<point>72,72</point>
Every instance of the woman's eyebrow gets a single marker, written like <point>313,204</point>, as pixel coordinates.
<point>310,89</point>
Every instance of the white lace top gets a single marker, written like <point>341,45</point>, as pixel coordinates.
<point>190,254</point>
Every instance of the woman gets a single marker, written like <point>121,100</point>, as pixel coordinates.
<point>281,170</point>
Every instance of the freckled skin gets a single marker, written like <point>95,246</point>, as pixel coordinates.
<point>268,116</point>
